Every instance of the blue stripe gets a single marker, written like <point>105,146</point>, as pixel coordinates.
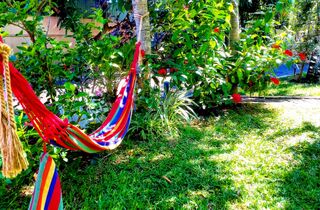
<point>119,112</point>
<point>117,139</point>
<point>51,189</point>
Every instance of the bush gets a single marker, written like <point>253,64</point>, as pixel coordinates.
<point>160,117</point>
<point>194,40</point>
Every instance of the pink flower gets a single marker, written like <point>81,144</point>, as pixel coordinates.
<point>288,53</point>
<point>275,81</point>
<point>99,93</point>
<point>216,29</point>
<point>236,98</point>
<point>302,56</point>
<point>162,72</point>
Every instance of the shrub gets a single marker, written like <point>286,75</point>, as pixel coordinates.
<point>160,117</point>
<point>193,39</point>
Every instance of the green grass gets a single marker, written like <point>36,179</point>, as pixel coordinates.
<point>244,159</point>
<point>287,88</point>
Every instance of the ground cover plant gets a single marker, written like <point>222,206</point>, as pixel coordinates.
<point>249,157</point>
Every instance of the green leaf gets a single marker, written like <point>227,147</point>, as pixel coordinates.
<point>213,44</point>
<point>230,8</point>
<point>226,88</point>
<point>279,6</point>
<point>240,74</point>
<point>233,79</point>
<point>268,17</point>
<point>69,86</point>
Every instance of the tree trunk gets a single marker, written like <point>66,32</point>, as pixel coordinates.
<point>235,24</point>
<point>140,11</point>
<point>140,8</point>
<point>234,33</point>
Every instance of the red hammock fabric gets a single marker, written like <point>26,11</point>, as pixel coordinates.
<point>51,127</point>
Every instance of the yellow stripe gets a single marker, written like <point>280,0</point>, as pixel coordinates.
<point>47,186</point>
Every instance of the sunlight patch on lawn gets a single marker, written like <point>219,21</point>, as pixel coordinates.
<point>298,111</point>
<point>160,157</point>
<point>304,137</point>
<point>27,190</point>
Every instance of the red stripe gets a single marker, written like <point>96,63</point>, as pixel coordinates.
<point>112,111</point>
<point>124,117</point>
<point>43,181</point>
<point>56,196</point>
<point>85,139</point>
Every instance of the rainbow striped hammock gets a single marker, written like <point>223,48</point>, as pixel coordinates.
<point>58,132</point>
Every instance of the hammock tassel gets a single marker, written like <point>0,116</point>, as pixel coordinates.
<point>13,157</point>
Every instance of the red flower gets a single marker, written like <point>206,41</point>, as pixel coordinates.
<point>143,53</point>
<point>162,72</point>
<point>302,56</point>
<point>275,46</point>
<point>288,52</point>
<point>216,29</point>
<point>236,98</point>
<point>172,70</point>
<point>275,81</point>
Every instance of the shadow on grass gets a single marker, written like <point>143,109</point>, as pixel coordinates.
<point>167,174</point>
<point>305,127</point>
<point>301,186</point>
<point>164,174</point>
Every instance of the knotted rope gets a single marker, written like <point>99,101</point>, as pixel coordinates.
<point>13,156</point>
<point>140,24</point>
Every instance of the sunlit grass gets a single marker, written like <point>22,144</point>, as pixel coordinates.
<point>287,88</point>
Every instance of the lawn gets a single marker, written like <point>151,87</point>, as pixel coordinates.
<point>288,88</point>
<point>246,158</point>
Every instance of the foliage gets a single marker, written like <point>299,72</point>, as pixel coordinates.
<point>300,21</point>
<point>77,79</point>
<point>194,41</point>
<point>160,117</point>
<point>54,67</point>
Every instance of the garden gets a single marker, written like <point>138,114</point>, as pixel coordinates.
<point>160,104</point>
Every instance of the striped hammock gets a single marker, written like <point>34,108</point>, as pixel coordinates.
<point>47,191</point>
<point>53,130</point>
<point>56,131</point>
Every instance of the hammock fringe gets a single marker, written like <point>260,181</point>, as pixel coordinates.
<point>13,157</point>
